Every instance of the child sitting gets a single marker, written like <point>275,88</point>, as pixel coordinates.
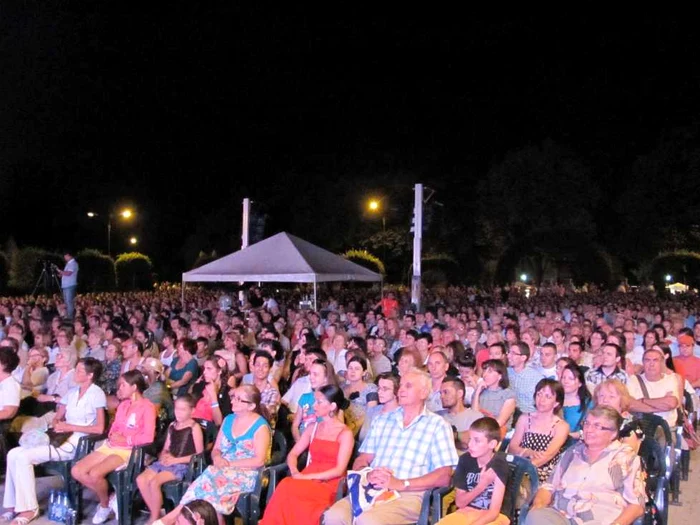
<point>480,478</point>
<point>185,438</point>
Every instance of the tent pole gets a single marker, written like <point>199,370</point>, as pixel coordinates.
<point>183,295</point>
<point>315,308</point>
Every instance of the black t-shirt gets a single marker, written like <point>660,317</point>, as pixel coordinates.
<point>468,473</point>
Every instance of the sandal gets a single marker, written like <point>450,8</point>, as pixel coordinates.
<point>21,520</point>
<point>7,516</point>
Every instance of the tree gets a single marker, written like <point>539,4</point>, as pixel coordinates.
<point>97,272</point>
<point>26,266</point>
<point>134,271</point>
<point>4,271</point>
<point>538,202</point>
<point>366,260</point>
<point>660,211</point>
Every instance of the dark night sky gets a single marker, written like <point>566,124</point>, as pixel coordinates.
<point>186,110</point>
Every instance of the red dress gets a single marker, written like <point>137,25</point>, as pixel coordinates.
<point>301,501</point>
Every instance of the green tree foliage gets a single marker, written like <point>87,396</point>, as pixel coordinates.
<point>366,260</point>
<point>660,211</point>
<point>134,271</point>
<point>538,202</point>
<point>204,258</point>
<point>26,266</point>
<point>682,265</point>
<point>97,273</point>
<point>4,271</point>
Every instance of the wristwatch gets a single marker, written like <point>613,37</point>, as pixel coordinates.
<point>406,483</point>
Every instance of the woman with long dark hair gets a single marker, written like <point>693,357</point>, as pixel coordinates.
<point>304,496</point>
<point>577,399</point>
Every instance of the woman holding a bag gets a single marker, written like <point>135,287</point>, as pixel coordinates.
<point>81,411</point>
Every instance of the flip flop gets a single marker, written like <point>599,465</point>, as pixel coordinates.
<point>21,520</point>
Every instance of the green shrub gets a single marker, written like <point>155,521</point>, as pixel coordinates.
<point>96,271</point>
<point>134,271</point>
<point>4,271</point>
<point>366,260</point>
<point>26,266</point>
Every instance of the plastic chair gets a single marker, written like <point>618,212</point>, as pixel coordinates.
<point>657,484</point>
<point>124,483</point>
<point>656,427</point>
<point>86,445</point>
<point>174,490</point>
<point>249,503</point>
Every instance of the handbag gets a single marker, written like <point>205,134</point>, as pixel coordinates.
<point>689,435</point>
<point>58,439</point>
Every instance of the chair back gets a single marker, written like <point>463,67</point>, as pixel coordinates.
<point>520,491</point>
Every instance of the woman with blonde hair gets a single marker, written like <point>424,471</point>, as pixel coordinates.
<point>614,393</point>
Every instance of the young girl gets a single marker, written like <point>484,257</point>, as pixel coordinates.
<point>321,373</point>
<point>184,439</point>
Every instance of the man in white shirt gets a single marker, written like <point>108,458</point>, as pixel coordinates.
<point>659,393</point>
<point>548,361</point>
<point>69,283</point>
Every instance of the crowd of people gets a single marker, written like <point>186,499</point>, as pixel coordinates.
<point>396,401</point>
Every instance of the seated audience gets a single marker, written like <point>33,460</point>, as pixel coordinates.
<point>493,396</point>
<point>241,448</point>
<point>134,425</point>
<point>362,395</point>
<point>598,480</point>
<point>81,411</point>
<point>459,417</point>
<point>409,450</point>
<point>540,435</point>
<point>304,496</point>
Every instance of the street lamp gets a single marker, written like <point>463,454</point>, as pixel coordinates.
<point>668,277</point>
<point>374,206</point>
<point>133,240</point>
<point>523,277</point>
<point>125,213</point>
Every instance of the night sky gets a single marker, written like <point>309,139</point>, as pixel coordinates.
<point>183,111</point>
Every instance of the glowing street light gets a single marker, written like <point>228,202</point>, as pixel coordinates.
<point>124,213</point>
<point>523,277</point>
<point>373,205</point>
<point>133,240</point>
<point>668,277</point>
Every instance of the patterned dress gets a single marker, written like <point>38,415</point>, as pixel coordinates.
<point>222,486</point>
<point>539,443</point>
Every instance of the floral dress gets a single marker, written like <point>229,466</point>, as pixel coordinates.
<point>222,486</point>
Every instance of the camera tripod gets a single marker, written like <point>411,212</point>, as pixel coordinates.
<point>48,280</point>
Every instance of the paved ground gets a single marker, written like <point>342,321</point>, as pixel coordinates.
<point>687,513</point>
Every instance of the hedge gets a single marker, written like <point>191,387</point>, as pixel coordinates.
<point>134,271</point>
<point>96,271</point>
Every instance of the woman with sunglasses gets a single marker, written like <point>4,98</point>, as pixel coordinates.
<point>241,448</point>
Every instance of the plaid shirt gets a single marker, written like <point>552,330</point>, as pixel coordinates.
<point>595,376</point>
<point>426,445</point>
<point>524,383</point>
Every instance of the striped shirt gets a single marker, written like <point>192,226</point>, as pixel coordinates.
<point>426,445</point>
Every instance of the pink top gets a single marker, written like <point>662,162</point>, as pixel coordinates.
<point>134,424</point>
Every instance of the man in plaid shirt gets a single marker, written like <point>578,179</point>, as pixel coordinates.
<point>410,450</point>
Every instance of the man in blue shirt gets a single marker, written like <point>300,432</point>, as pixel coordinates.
<point>69,283</point>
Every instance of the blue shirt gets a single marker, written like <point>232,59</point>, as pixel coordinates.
<point>524,383</point>
<point>426,445</point>
<point>67,281</point>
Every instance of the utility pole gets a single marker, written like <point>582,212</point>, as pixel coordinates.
<point>417,245</point>
<point>245,230</point>
<point>245,225</point>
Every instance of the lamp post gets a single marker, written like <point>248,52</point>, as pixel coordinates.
<point>133,240</point>
<point>126,213</point>
<point>374,206</point>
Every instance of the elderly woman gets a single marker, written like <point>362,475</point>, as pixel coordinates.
<point>80,412</point>
<point>33,375</point>
<point>598,480</point>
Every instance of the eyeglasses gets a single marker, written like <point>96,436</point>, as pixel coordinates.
<point>235,397</point>
<point>597,426</point>
<point>514,353</point>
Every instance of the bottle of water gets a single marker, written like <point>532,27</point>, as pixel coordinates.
<point>65,506</point>
<point>60,509</point>
<point>52,506</point>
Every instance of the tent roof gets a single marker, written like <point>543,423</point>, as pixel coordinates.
<point>281,258</point>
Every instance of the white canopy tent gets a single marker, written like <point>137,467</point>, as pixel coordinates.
<point>281,258</point>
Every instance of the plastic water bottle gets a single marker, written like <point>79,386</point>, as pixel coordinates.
<point>65,506</point>
<point>60,509</point>
<point>52,506</point>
